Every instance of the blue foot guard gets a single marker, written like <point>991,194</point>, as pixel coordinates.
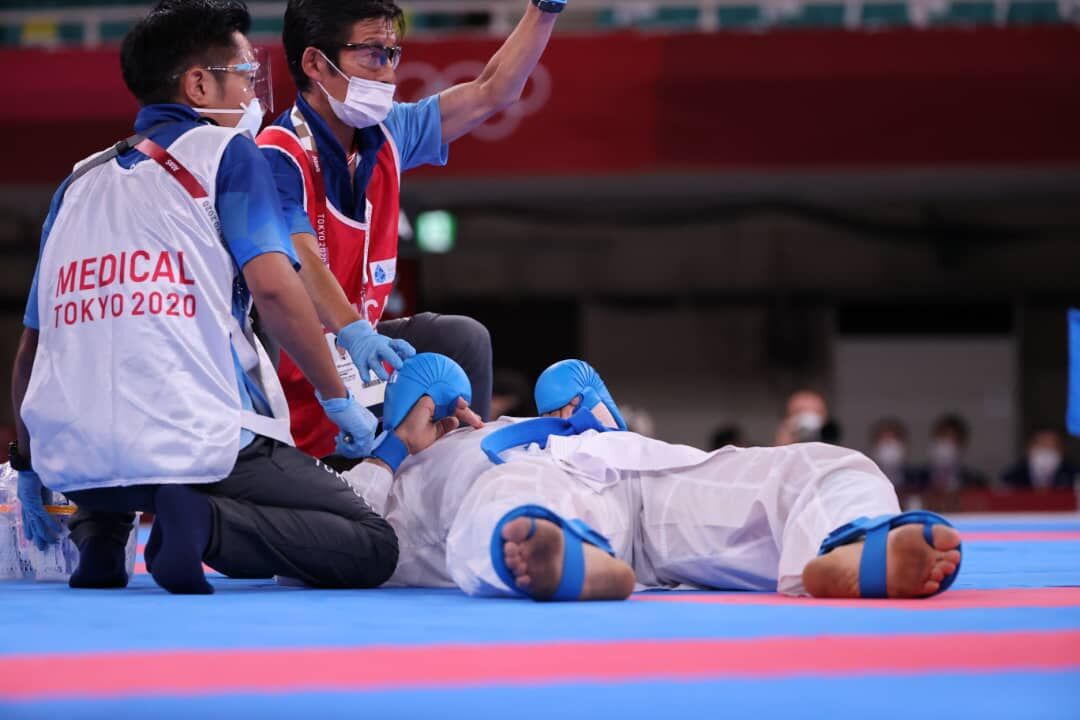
<point>575,532</point>
<point>872,570</point>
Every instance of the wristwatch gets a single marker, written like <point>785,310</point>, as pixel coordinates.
<point>18,462</point>
<point>550,6</point>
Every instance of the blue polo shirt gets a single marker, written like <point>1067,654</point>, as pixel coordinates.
<point>247,205</point>
<point>415,127</point>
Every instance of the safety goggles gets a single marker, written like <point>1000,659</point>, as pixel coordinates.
<point>373,55</point>
<point>257,70</point>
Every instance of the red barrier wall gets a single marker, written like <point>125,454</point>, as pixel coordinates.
<point>642,103</point>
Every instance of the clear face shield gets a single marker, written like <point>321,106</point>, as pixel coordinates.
<point>262,82</point>
<point>260,90</point>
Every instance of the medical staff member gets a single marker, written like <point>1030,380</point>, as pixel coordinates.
<point>138,379</point>
<point>337,156</point>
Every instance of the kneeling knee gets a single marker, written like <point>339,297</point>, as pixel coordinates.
<point>381,559</point>
<point>469,335</point>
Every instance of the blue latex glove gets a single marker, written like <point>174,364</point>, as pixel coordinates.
<point>38,526</point>
<point>369,350</point>
<point>357,426</point>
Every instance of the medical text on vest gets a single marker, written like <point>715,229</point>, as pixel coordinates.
<point>164,269</point>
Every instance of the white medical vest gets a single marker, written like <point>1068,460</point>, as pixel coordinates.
<point>133,381</point>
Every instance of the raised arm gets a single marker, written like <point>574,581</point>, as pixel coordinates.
<point>465,106</point>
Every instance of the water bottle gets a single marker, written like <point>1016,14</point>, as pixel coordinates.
<point>10,563</point>
<point>58,560</point>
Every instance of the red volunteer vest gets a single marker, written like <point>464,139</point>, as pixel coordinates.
<point>362,256</point>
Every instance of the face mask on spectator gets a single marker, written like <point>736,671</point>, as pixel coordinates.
<point>806,426</point>
<point>889,453</point>
<point>944,454</point>
<point>1044,462</point>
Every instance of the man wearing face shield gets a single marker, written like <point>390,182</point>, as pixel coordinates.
<point>337,156</point>
<point>138,378</point>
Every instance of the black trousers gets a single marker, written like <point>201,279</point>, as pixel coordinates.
<point>460,338</point>
<point>279,512</point>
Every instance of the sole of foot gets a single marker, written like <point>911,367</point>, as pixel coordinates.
<point>914,569</point>
<point>537,561</point>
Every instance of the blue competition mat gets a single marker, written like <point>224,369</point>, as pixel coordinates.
<point>1007,634</point>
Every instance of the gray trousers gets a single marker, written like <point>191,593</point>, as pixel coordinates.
<point>279,512</point>
<point>462,339</point>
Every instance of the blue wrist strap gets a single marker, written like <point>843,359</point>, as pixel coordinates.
<point>391,451</point>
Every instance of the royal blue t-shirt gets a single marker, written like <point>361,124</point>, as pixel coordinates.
<point>417,132</point>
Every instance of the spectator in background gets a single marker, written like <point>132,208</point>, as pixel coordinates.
<point>511,394</point>
<point>727,435</point>
<point>889,449</point>
<point>1045,465</point>
<point>946,471</point>
<point>639,420</point>
<point>806,419</point>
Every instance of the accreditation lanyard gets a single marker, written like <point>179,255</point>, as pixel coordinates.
<point>307,141</point>
<point>173,166</point>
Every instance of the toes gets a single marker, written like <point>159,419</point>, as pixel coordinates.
<point>945,537</point>
<point>517,530</point>
<point>513,559</point>
<point>952,556</point>
<point>524,581</point>
<point>930,587</point>
<point>937,574</point>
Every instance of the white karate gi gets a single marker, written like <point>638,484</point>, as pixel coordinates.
<point>736,518</point>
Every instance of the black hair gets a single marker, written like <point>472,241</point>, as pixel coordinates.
<point>954,424</point>
<point>326,25</point>
<point>892,425</point>
<point>174,36</point>
<point>727,435</point>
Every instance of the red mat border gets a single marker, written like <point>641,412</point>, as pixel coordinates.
<point>951,600</point>
<point>123,674</point>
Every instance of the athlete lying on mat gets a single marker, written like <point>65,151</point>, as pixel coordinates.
<point>584,513</point>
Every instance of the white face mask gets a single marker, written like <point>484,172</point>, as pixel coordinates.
<point>889,453</point>
<point>1044,462</point>
<point>367,102</point>
<point>807,426</point>
<point>944,454</point>
<point>251,116</point>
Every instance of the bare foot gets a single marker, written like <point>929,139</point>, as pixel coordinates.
<point>913,568</point>
<point>600,411</point>
<point>536,563</point>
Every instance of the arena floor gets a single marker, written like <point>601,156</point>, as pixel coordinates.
<point>1004,643</point>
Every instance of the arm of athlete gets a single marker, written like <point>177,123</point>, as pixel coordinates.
<point>373,479</point>
<point>465,106</point>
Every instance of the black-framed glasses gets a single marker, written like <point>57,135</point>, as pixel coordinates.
<point>373,55</point>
